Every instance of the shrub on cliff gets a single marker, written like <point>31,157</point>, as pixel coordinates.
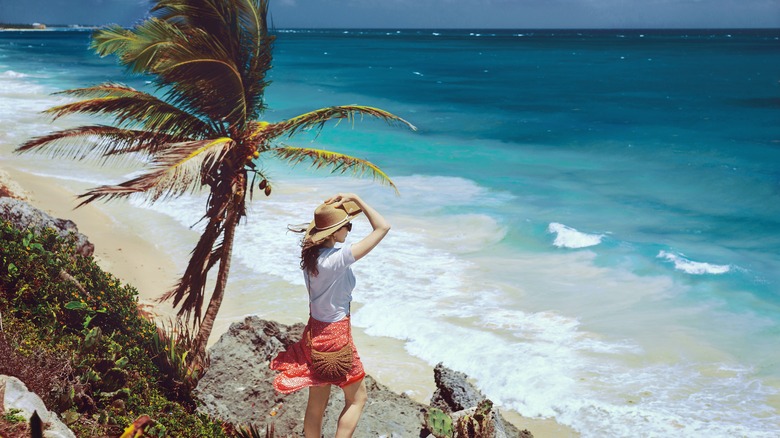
<point>73,332</point>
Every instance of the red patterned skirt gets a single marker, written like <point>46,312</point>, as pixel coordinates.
<point>336,360</point>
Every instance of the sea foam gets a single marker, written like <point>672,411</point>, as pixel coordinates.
<point>13,74</point>
<point>567,237</point>
<point>690,267</point>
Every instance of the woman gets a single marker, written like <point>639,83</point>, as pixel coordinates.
<point>326,354</point>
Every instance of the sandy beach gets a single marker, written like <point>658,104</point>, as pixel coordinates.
<point>151,266</point>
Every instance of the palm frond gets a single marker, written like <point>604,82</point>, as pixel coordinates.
<point>111,40</point>
<point>212,16</point>
<point>96,142</point>
<point>219,69</point>
<point>209,85</point>
<point>192,286</point>
<point>241,23</point>
<point>338,163</point>
<point>106,89</point>
<point>190,290</point>
<point>216,19</point>
<point>178,169</point>
<point>318,118</point>
<point>170,10</point>
<point>132,108</point>
<point>141,48</point>
<point>259,43</point>
<point>191,63</point>
<point>211,57</point>
<point>253,19</point>
<point>153,40</point>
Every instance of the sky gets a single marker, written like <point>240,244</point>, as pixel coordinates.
<point>516,14</point>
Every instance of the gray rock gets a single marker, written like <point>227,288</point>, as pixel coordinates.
<point>453,390</point>
<point>237,388</point>
<point>23,215</point>
<point>15,395</point>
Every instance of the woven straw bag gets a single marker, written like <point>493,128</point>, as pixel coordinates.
<point>331,365</point>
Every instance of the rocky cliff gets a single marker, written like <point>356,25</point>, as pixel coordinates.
<point>237,388</point>
<point>23,215</point>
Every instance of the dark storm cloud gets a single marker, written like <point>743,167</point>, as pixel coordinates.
<point>437,13</point>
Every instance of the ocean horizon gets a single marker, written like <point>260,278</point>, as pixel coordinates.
<point>588,222</point>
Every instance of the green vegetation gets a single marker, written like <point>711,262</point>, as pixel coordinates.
<point>12,416</point>
<point>202,132</point>
<point>81,345</point>
<point>439,423</point>
<point>477,425</point>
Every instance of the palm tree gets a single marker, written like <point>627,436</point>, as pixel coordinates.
<point>208,60</point>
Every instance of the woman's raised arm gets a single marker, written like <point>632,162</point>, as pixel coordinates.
<point>378,223</point>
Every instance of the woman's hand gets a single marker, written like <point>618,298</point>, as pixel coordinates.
<point>341,198</point>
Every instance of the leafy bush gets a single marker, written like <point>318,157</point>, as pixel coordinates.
<point>172,345</point>
<point>73,333</point>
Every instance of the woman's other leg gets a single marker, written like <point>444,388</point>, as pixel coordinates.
<point>315,409</point>
<point>355,397</point>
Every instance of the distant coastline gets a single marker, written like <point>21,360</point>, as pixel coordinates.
<point>43,26</point>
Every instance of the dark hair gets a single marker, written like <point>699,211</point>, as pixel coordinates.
<point>309,254</point>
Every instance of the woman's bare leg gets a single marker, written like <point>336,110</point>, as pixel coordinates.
<point>315,409</point>
<point>355,397</point>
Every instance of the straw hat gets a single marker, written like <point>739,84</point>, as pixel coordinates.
<point>328,219</point>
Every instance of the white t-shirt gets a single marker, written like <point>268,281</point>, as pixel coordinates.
<point>330,291</point>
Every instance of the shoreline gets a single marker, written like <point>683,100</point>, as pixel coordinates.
<point>120,248</point>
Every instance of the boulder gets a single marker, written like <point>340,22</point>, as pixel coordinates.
<point>14,395</point>
<point>23,215</point>
<point>453,390</point>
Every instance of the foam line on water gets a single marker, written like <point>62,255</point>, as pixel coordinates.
<point>567,237</point>
<point>681,263</point>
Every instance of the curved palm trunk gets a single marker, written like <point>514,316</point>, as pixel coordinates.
<point>207,324</point>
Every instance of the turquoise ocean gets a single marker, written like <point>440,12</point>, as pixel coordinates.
<point>588,221</point>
